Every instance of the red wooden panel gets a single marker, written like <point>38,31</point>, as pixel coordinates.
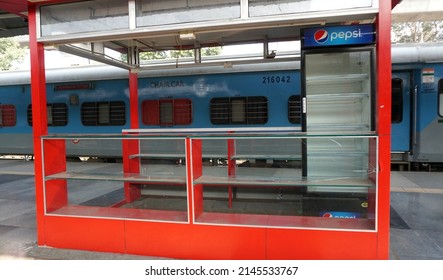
<point>285,221</point>
<point>103,235</point>
<point>194,241</point>
<point>56,194</point>
<point>231,167</point>
<point>122,213</point>
<point>131,166</point>
<point>317,244</point>
<point>38,91</point>
<point>55,156</point>
<point>195,192</point>
<point>133,100</point>
<point>151,112</point>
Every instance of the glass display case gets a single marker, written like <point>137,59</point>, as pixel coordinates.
<point>247,179</point>
<point>105,187</point>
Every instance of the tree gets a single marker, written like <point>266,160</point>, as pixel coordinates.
<point>211,51</point>
<point>181,53</point>
<point>190,53</point>
<point>154,55</point>
<point>417,32</point>
<point>10,52</point>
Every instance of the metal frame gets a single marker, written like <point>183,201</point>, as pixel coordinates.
<point>207,27</point>
<point>210,27</point>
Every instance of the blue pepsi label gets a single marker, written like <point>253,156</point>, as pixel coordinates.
<point>342,35</point>
<point>339,215</point>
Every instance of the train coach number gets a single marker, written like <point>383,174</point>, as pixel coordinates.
<point>276,79</point>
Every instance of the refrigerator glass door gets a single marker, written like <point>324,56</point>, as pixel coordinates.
<point>338,101</point>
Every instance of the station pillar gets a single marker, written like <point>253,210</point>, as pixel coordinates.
<point>384,123</point>
<point>131,147</point>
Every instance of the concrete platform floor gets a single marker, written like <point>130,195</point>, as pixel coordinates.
<point>416,217</point>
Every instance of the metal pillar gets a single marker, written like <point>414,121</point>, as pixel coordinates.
<point>384,124</point>
<point>38,91</point>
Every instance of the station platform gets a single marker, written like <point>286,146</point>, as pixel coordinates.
<point>416,216</point>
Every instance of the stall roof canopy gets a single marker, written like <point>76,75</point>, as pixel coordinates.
<point>13,18</point>
<point>73,36</point>
<point>13,14</point>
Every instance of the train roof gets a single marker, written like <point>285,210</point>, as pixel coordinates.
<point>105,72</point>
<point>417,53</point>
<point>401,53</point>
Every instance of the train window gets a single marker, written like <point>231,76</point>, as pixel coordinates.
<point>182,111</point>
<point>8,115</point>
<point>257,110</point>
<point>440,97</point>
<point>57,114</point>
<point>103,113</point>
<point>167,112</point>
<point>220,110</point>
<point>239,110</point>
<point>49,113</point>
<point>397,101</point>
<point>294,109</point>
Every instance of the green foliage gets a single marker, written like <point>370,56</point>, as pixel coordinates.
<point>211,51</point>
<point>181,53</point>
<point>154,55</point>
<point>10,52</point>
<point>417,32</point>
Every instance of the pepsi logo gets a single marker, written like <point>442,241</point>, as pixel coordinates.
<point>328,215</point>
<point>321,36</point>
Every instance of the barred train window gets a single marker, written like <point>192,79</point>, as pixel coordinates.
<point>166,112</point>
<point>103,113</point>
<point>239,110</point>
<point>8,115</point>
<point>397,101</point>
<point>57,114</point>
<point>294,109</point>
<point>440,98</point>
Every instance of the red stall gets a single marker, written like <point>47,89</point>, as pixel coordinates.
<point>200,192</point>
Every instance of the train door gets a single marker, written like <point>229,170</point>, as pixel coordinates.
<point>401,116</point>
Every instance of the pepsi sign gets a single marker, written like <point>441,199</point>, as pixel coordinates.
<point>339,215</point>
<point>338,36</point>
<point>321,36</point>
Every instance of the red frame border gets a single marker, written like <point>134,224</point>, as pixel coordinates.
<point>206,241</point>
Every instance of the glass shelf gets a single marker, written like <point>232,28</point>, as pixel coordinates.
<point>335,96</point>
<point>134,178</point>
<point>209,135</point>
<point>338,126</point>
<point>157,155</point>
<point>336,79</point>
<point>284,182</point>
<point>318,153</point>
<point>266,156</point>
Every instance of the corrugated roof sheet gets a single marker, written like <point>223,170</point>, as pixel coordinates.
<point>12,25</point>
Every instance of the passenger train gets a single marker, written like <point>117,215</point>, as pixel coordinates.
<point>95,99</point>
